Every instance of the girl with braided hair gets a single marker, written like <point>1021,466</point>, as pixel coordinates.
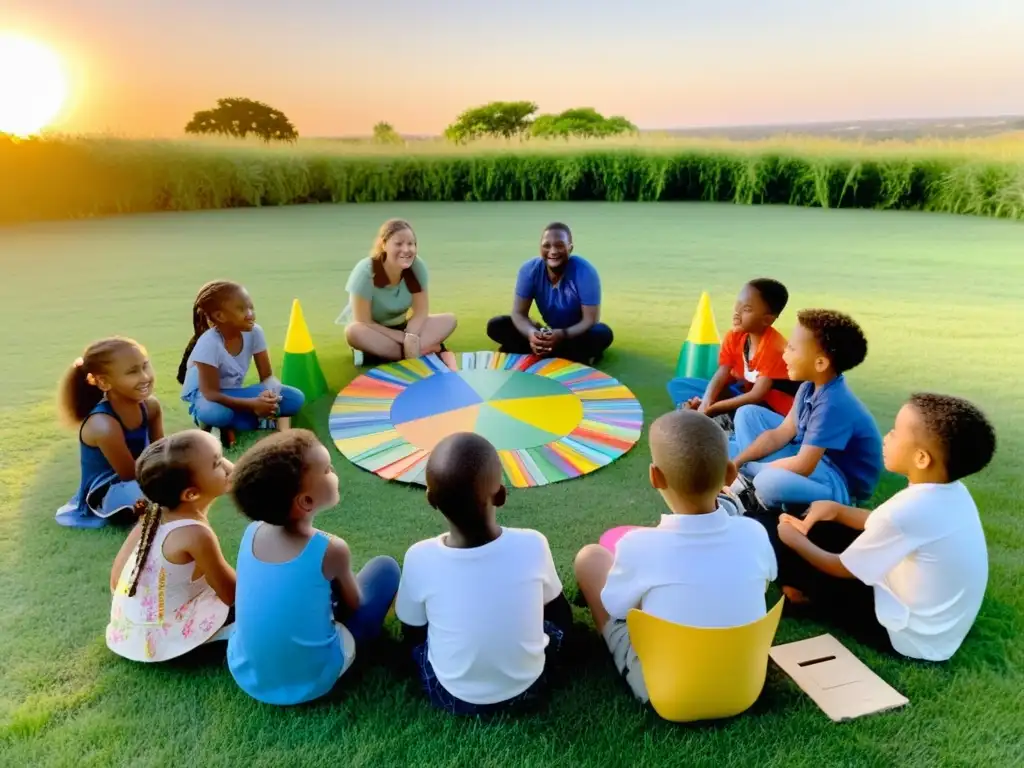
<point>172,588</point>
<point>225,341</point>
<point>107,394</point>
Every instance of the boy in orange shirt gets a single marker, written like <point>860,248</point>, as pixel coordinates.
<point>751,370</point>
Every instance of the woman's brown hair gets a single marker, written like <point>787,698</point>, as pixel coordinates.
<point>378,255</point>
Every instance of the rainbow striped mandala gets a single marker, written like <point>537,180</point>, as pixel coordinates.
<point>549,419</point>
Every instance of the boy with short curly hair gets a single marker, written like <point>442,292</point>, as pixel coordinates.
<point>301,611</point>
<point>829,446</point>
<point>913,573</point>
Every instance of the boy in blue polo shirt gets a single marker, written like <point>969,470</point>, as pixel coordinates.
<point>567,291</point>
<point>828,447</point>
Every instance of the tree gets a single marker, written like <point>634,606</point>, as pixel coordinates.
<point>385,133</point>
<point>498,118</point>
<point>583,122</point>
<point>240,117</point>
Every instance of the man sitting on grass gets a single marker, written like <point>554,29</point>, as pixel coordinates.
<point>567,290</point>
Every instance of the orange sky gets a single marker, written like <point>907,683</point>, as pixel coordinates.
<point>142,67</point>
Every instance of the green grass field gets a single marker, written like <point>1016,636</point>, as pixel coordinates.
<point>939,297</point>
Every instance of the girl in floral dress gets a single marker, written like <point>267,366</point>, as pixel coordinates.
<point>172,588</point>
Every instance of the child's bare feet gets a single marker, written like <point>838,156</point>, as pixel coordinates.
<point>227,438</point>
<point>795,596</point>
<point>448,358</point>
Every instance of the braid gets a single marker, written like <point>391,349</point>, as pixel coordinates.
<point>164,473</point>
<point>150,524</point>
<point>207,302</point>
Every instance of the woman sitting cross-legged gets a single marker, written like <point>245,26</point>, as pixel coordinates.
<point>388,315</point>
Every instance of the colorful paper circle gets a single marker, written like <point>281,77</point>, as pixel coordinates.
<point>549,419</point>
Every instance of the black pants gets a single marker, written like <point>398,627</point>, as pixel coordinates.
<point>848,604</point>
<point>583,349</point>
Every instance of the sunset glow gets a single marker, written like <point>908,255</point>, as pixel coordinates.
<point>33,85</point>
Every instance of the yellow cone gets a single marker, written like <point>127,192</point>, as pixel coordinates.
<point>298,341</point>
<point>698,357</point>
<point>300,368</point>
<point>703,329</point>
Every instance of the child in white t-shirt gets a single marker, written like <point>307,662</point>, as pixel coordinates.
<point>702,566</point>
<point>481,606</point>
<point>914,575</point>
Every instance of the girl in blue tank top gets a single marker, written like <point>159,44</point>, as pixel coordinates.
<point>300,612</point>
<point>108,394</point>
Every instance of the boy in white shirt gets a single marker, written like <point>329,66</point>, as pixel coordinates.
<point>915,572</point>
<point>481,606</point>
<point>703,566</point>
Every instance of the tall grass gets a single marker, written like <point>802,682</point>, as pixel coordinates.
<point>68,177</point>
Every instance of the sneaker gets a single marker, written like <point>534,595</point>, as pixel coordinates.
<point>357,358</point>
<point>725,422</point>
<point>747,497</point>
<point>70,516</point>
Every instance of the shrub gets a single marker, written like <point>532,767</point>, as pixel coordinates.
<point>72,178</point>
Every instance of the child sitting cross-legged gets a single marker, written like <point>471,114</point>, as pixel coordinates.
<point>225,342</point>
<point>751,370</point>
<point>911,575</point>
<point>701,567</point>
<point>829,446</point>
<point>481,605</point>
<point>301,612</point>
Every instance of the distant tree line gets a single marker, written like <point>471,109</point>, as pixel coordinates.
<point>515,119</point>
<point>240,117</point>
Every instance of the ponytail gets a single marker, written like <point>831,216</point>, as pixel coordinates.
<point>150,523</point>
<point>78,392</point>
<point>208,301</point>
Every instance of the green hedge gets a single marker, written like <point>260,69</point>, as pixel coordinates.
<point>80,178</point>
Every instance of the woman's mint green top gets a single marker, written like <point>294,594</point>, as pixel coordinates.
<point>388,306</point>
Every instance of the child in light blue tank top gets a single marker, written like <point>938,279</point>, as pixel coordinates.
<point>300,611</point>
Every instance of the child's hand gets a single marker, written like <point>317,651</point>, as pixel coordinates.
<point>265,405</point>
<point>693,404</point>
<point>789,534</point>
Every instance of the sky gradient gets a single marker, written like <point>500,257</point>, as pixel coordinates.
<point>335,67</point>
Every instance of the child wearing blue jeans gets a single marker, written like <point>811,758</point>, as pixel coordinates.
<point>828,447</point>
<point>300,612</point>
<point>225,342</point>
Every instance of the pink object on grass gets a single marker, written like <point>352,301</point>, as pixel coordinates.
<point>609,539</point>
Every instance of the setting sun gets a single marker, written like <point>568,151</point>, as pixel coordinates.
<point>33,85</point>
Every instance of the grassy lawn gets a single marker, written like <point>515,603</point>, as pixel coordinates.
<point>937,296</point>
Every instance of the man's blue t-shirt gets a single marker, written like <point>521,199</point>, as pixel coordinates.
<point>834,419</point>
<point>560,304</point>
